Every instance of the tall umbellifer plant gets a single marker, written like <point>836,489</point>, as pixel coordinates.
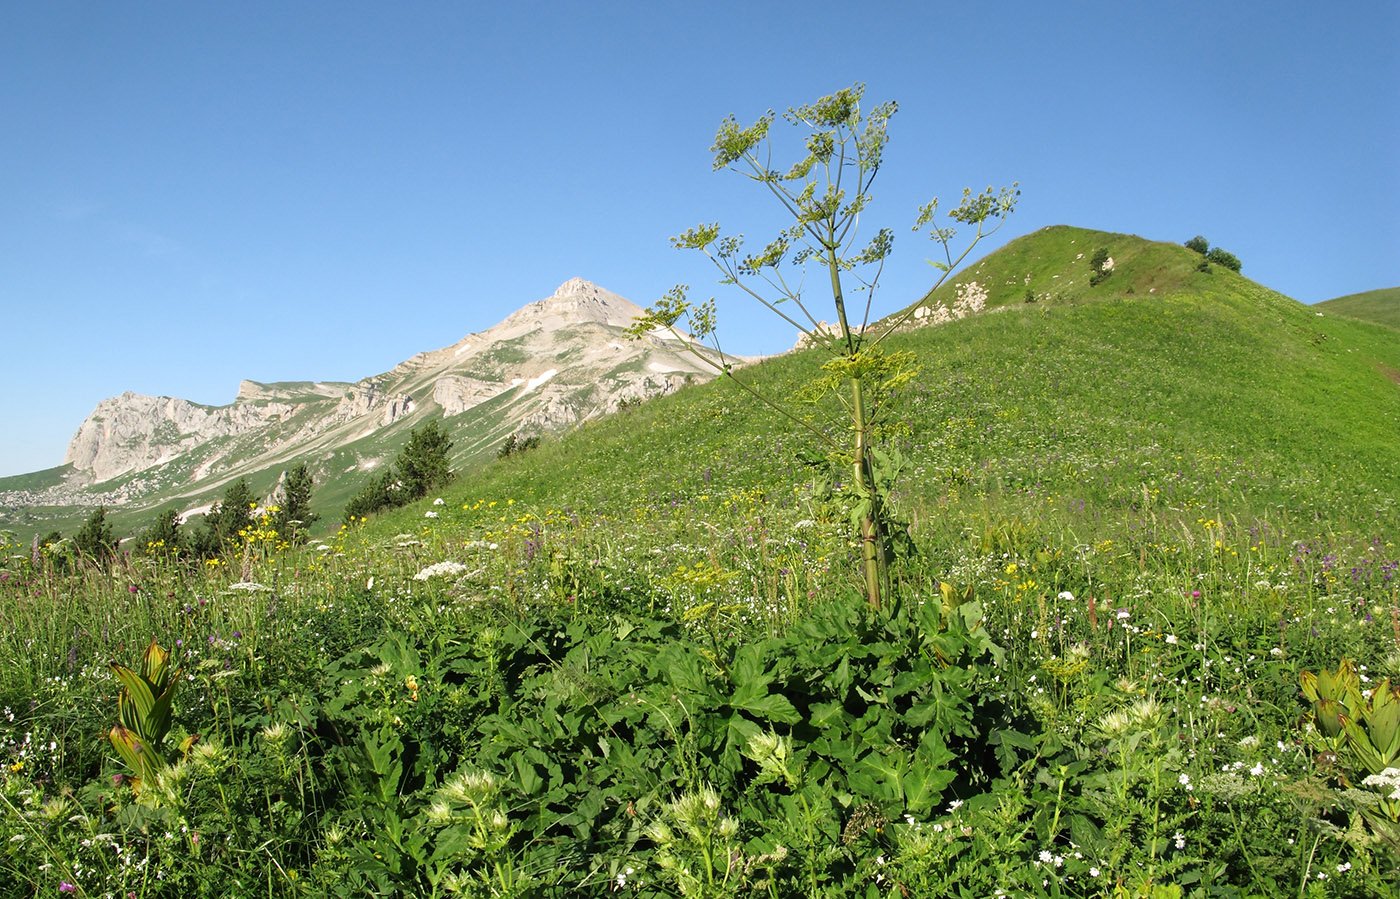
<point>144,712</point>
<point>825,192</point>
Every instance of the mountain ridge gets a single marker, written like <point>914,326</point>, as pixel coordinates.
<point>548,365</point>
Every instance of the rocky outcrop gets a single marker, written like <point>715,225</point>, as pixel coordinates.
<point>458,393</point>
<point>133,432</point>
<point>549,365</point>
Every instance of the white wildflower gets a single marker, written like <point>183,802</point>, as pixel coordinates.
<point>441,568</point>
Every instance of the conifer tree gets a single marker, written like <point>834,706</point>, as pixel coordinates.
<point>95,540</point>
<point>164,538</point>
<point>294,513</point>
<point>232,514</point>
<point>380,493</point>
<point>423,463</point>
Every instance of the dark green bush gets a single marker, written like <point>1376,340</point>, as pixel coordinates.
<point>1100,267</point>
<point>232,514</point>
<point>515,444</point>
<point>294,513</point>
<point>382,492</point>
<point>1225,258</point>
<point>95,540</point>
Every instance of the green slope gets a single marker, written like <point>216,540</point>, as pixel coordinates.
<point>1163,393</point>
<point>1379,306</point>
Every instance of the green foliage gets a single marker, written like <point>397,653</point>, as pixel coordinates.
<point>382,492</point>
<point>144,713</point>
<point>1100,266</point>
<point>1212,254</point>
<point>95,541</point>
<point>840,142</point>
<point>1223,258</point>
<point>420,466</point>
<point>1357,732</point>
<point>515,444</point>
<point>423,463</point>
<point>639,659</point>
<point>229,518</point>
<point>163,537</point>
<point>294,515</point>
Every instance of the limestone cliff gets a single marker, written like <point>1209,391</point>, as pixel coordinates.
<point>549,365</point>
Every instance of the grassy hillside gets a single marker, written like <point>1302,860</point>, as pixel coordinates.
<point>1083,396</point>
<point>1162,391</point>
<point>1379,306</point>
<point>1148,515</point>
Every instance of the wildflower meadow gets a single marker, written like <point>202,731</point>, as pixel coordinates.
<point>1139,637</point>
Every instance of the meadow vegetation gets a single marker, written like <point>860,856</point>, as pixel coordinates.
<point>1136,644</point>
<point>1378,306</point>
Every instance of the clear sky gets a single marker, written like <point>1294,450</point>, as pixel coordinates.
<point>196,193</point>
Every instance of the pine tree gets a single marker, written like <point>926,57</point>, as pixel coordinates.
<point>423,463</point>
<point>294,513</point>
<point>95,539</point>
<point>232,514</point>
<point>380,493</point>
<point>164,538</point>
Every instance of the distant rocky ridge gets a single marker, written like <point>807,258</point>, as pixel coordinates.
<point>549,365</point>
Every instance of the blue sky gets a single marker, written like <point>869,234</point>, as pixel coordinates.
<point>199,193</point>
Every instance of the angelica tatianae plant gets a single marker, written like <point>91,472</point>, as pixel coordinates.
<point>825,192</point>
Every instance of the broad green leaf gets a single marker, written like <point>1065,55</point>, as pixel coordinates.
<point>526,776</point>
<point>125,742</point>
<point>924,786</point>
<point>841,679</point>
<point>880,776</point>
<point>827,714</point>
<point>772,706</point>
<point>137,689</point>
<point>154,664</point>
<point>683,670</point>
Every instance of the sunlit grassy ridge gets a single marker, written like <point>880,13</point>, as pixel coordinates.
<point>1109,402</point>
<point>1379,306</point>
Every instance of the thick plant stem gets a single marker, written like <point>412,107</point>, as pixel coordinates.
<point>870,549</point>
<point>869,530</point>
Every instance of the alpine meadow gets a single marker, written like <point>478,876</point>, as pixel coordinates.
<point>1078,576</point>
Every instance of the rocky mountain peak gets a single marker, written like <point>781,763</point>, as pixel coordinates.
<point>549,365</point>
<point>575,286</point>
<point>577,301</point>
